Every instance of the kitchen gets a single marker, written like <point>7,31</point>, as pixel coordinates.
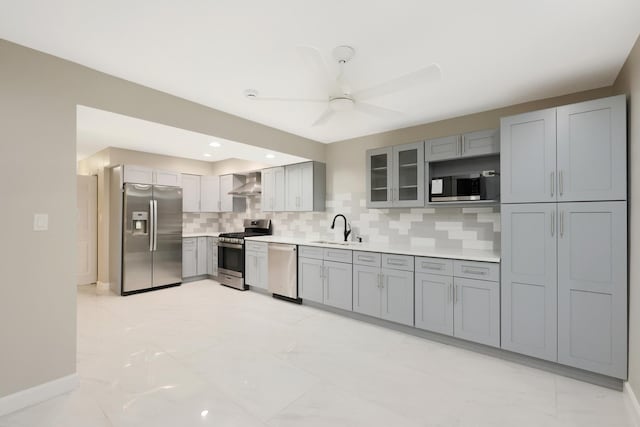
<point>444,230</point>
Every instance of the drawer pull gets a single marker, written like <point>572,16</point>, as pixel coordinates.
<point>396,262</point>
<point>432,266</point>
<point>478,272</point>
<point>366,258</point>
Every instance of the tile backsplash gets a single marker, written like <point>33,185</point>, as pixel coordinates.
<point>451,227</point>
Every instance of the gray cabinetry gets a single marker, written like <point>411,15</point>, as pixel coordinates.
<point>434,303</point>
<point>379,183</point>
<point>480,143</point>
<point>476,311</point>
<point>201,267</point>
<point>212,256</point>
<point>229,202</point>
<point>592,287</point>
<point>325,276</point>
<point>528,157</point>
<point>305,187</point>
<point>366,290</point>
<point>190,193</point>
<point>210,193</point>
<point>444,148</point>
<point>529,279</point>
<point>592,157</point>
<point>189,257</point>
<point>273,190</point>
<point>256,264</point>
<point>397,296</point>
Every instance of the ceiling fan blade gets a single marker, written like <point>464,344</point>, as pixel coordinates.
<point>377,111</point>
<point>282,99</point>
<point>324,117</point>
<point>314,61</point>
<point>421,76</point>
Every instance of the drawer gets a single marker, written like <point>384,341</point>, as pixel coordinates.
<point>439,266</point>
<point>339,255</point>
<point>477,270</point>
<point>260,247</point>
<point>397,262</point>
<point>372,259</point>
<point>310,252</point>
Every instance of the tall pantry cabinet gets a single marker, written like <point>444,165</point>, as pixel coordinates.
<point>564,235</point>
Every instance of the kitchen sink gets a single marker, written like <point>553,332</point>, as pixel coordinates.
<point>327,242</point>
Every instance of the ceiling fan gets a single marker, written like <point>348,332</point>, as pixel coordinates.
<point>340,97</point>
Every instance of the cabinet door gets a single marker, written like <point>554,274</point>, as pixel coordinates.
<point>476,311</point>
<point>306,187</point>
<point>592,150</point>
<point>529,279</point>
<point>480,143</point>
<point>592,287</point>
<point>379,179</point>
<point>210,194</point>
<point>310,280</point>
<point>189,257</point>
<point>444,148</point>
<point>434,303</point>
<point>137,174</point>
<point>267,198</point>
<point>251,268</point>
<point>262,270</point>
<point>293,181</point>
<point>278,189</point>
<point>528,157</point>
<point>367,284</point>
<point>202,256</point>
<point>167,178</point>
<point>226,200</point>
<point>190,193</point>
<point>338,285</point>
<point>408,175</point>
<point>397,296</point>
<point>209,256</point>
<point>213,256</point>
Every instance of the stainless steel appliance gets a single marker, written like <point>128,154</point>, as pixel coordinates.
<point>231,252</point>
<point>151,237</point>
<point>470,187</point>
<point>283,271</point>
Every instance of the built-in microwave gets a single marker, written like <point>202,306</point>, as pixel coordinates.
<point>484,185</point>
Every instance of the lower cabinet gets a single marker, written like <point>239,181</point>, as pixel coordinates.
<point>325,282</point>
<point>458,306</point>
<point>197,256</point>
<point>189,257</point>
<point>212,256</point>
<point>383,293</point>
<point>256,264</point>
<point>202,256</point>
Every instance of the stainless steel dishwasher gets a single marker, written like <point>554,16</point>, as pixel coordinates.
<point>283,271</point>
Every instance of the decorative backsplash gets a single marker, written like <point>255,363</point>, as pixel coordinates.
<point>442,227</point>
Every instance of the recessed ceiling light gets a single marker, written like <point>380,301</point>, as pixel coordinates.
<point>214,144</point>
<point>251,93</point>
<point>207,155</point>
<point>204,413</point>
<point>270,156</point>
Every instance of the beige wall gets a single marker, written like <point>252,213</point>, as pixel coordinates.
<point>346,159</point>
<point>38,165</point>
<point>628,82</point>
<point>235,166</point>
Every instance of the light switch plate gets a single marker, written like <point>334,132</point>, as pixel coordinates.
<point>40,222</point>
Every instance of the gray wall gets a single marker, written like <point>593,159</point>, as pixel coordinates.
<point>38,166</point>
<point>628,82</point>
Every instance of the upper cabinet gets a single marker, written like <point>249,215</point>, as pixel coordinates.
<point>395,176</point>
<point>229,202</point>
<point>173,179</point>
<point>305,187</point>
<point>472,144</point>
<point>211,193</point>
<point>273,190</point>
<point>571,153</point>
<point>145,175</point>
<point>190,193</point>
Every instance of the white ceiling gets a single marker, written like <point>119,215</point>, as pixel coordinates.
<point>492,53</point>
<point>98,129</point>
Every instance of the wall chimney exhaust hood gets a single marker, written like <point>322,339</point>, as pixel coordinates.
<point>252,187</point>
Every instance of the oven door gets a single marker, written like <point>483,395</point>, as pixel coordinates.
<point>231,259</point>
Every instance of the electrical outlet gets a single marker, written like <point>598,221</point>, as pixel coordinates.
<point>40,222</point>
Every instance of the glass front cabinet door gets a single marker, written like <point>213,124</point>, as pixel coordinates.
<point>379,178</point>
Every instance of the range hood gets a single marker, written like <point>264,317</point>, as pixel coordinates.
<point>252,187</point>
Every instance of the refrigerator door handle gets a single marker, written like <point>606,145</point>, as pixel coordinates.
<point>151,225</point>
<point>155,225</point>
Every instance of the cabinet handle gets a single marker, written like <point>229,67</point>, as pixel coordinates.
<point>396,262</point>
<point>450,291</point>
<point>432,266</point>
<point>382,281</point>
<point>553,174</point>
<point>561,179</point>
<point>562,224</point>
<point>455,294</point>
<point>365,258</point>
<point>553,223</point>
<point>321,272</point>
<point>462,145</point>
<point>477,272</point>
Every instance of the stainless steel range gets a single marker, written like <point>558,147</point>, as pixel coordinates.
<point>231,252</point>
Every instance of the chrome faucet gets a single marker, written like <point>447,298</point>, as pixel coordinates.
<point>346,224</point>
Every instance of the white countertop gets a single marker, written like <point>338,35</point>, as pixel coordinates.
<point>207,234</point>
<point>466,254</point>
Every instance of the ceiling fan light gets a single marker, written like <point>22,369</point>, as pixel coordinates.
<point>341,104</point>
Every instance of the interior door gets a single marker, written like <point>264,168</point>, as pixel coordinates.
<point>167,254</point>
<point>528,157</point>
<point>592,287</point>
<point>529,279</point>
<point>87,229</point>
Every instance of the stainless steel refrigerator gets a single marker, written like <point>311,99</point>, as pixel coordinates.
<point>151,237</point>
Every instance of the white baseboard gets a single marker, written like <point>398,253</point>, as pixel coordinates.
<point>37,394</point>
<point>633,399</point>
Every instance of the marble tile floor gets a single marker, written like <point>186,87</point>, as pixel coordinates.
<point>203,354</point>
